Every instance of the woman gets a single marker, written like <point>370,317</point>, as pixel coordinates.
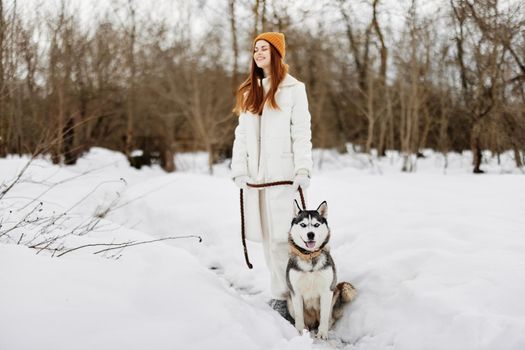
<point>272,143</point>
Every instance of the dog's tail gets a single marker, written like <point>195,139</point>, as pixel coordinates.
<point>344,292</point>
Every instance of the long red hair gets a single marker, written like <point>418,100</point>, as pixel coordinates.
<point>250,94</point>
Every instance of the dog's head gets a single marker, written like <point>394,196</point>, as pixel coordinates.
<point>309,229</point>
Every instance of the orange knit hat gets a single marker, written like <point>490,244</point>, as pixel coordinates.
<point>274,38</point>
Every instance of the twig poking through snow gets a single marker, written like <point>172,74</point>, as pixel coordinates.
<point>125,245</point>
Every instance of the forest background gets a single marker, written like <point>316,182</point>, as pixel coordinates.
<point>153,79</point>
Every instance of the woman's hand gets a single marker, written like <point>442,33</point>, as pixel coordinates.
<point>301,180</point>
<point>242,182</point>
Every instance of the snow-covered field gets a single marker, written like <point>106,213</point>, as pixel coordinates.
<point>437,256</point>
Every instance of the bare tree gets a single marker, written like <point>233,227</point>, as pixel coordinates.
<point>481,80</point>
<point>132,33</point>
<point>235,46</point>
<point>3,122</point>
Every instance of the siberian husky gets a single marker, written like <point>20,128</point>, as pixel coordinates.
<point>315,300</point>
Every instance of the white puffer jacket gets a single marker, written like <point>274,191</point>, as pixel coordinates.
<point>284,150</point>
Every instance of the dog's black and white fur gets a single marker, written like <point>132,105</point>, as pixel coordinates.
<point>315,300</point>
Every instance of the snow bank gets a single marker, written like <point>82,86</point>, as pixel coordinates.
<point>436,256</point>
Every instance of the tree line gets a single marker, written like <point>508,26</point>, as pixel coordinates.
<point>451,79</point>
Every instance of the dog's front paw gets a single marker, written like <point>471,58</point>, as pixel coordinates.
<point>322,334</point>
<point>300,328</point>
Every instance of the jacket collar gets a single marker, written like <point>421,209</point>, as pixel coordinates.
<point>287,81</point>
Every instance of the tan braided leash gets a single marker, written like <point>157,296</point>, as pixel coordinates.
<point>268,184</point>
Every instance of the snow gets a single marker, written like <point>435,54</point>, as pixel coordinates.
<point>436,256</point>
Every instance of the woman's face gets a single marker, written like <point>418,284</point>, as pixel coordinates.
<point>261,54</point>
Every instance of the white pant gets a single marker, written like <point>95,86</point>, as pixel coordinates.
<point>275,254</point>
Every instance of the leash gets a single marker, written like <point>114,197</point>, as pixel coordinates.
<point>268,184</point>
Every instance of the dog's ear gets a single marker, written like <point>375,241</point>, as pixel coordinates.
<point>323,209</point>
<point>296,208</point>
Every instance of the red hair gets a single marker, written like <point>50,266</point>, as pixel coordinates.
<point>250,94</point>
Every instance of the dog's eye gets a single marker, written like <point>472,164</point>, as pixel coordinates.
<point>303,225</point>
<point>317,225</point>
